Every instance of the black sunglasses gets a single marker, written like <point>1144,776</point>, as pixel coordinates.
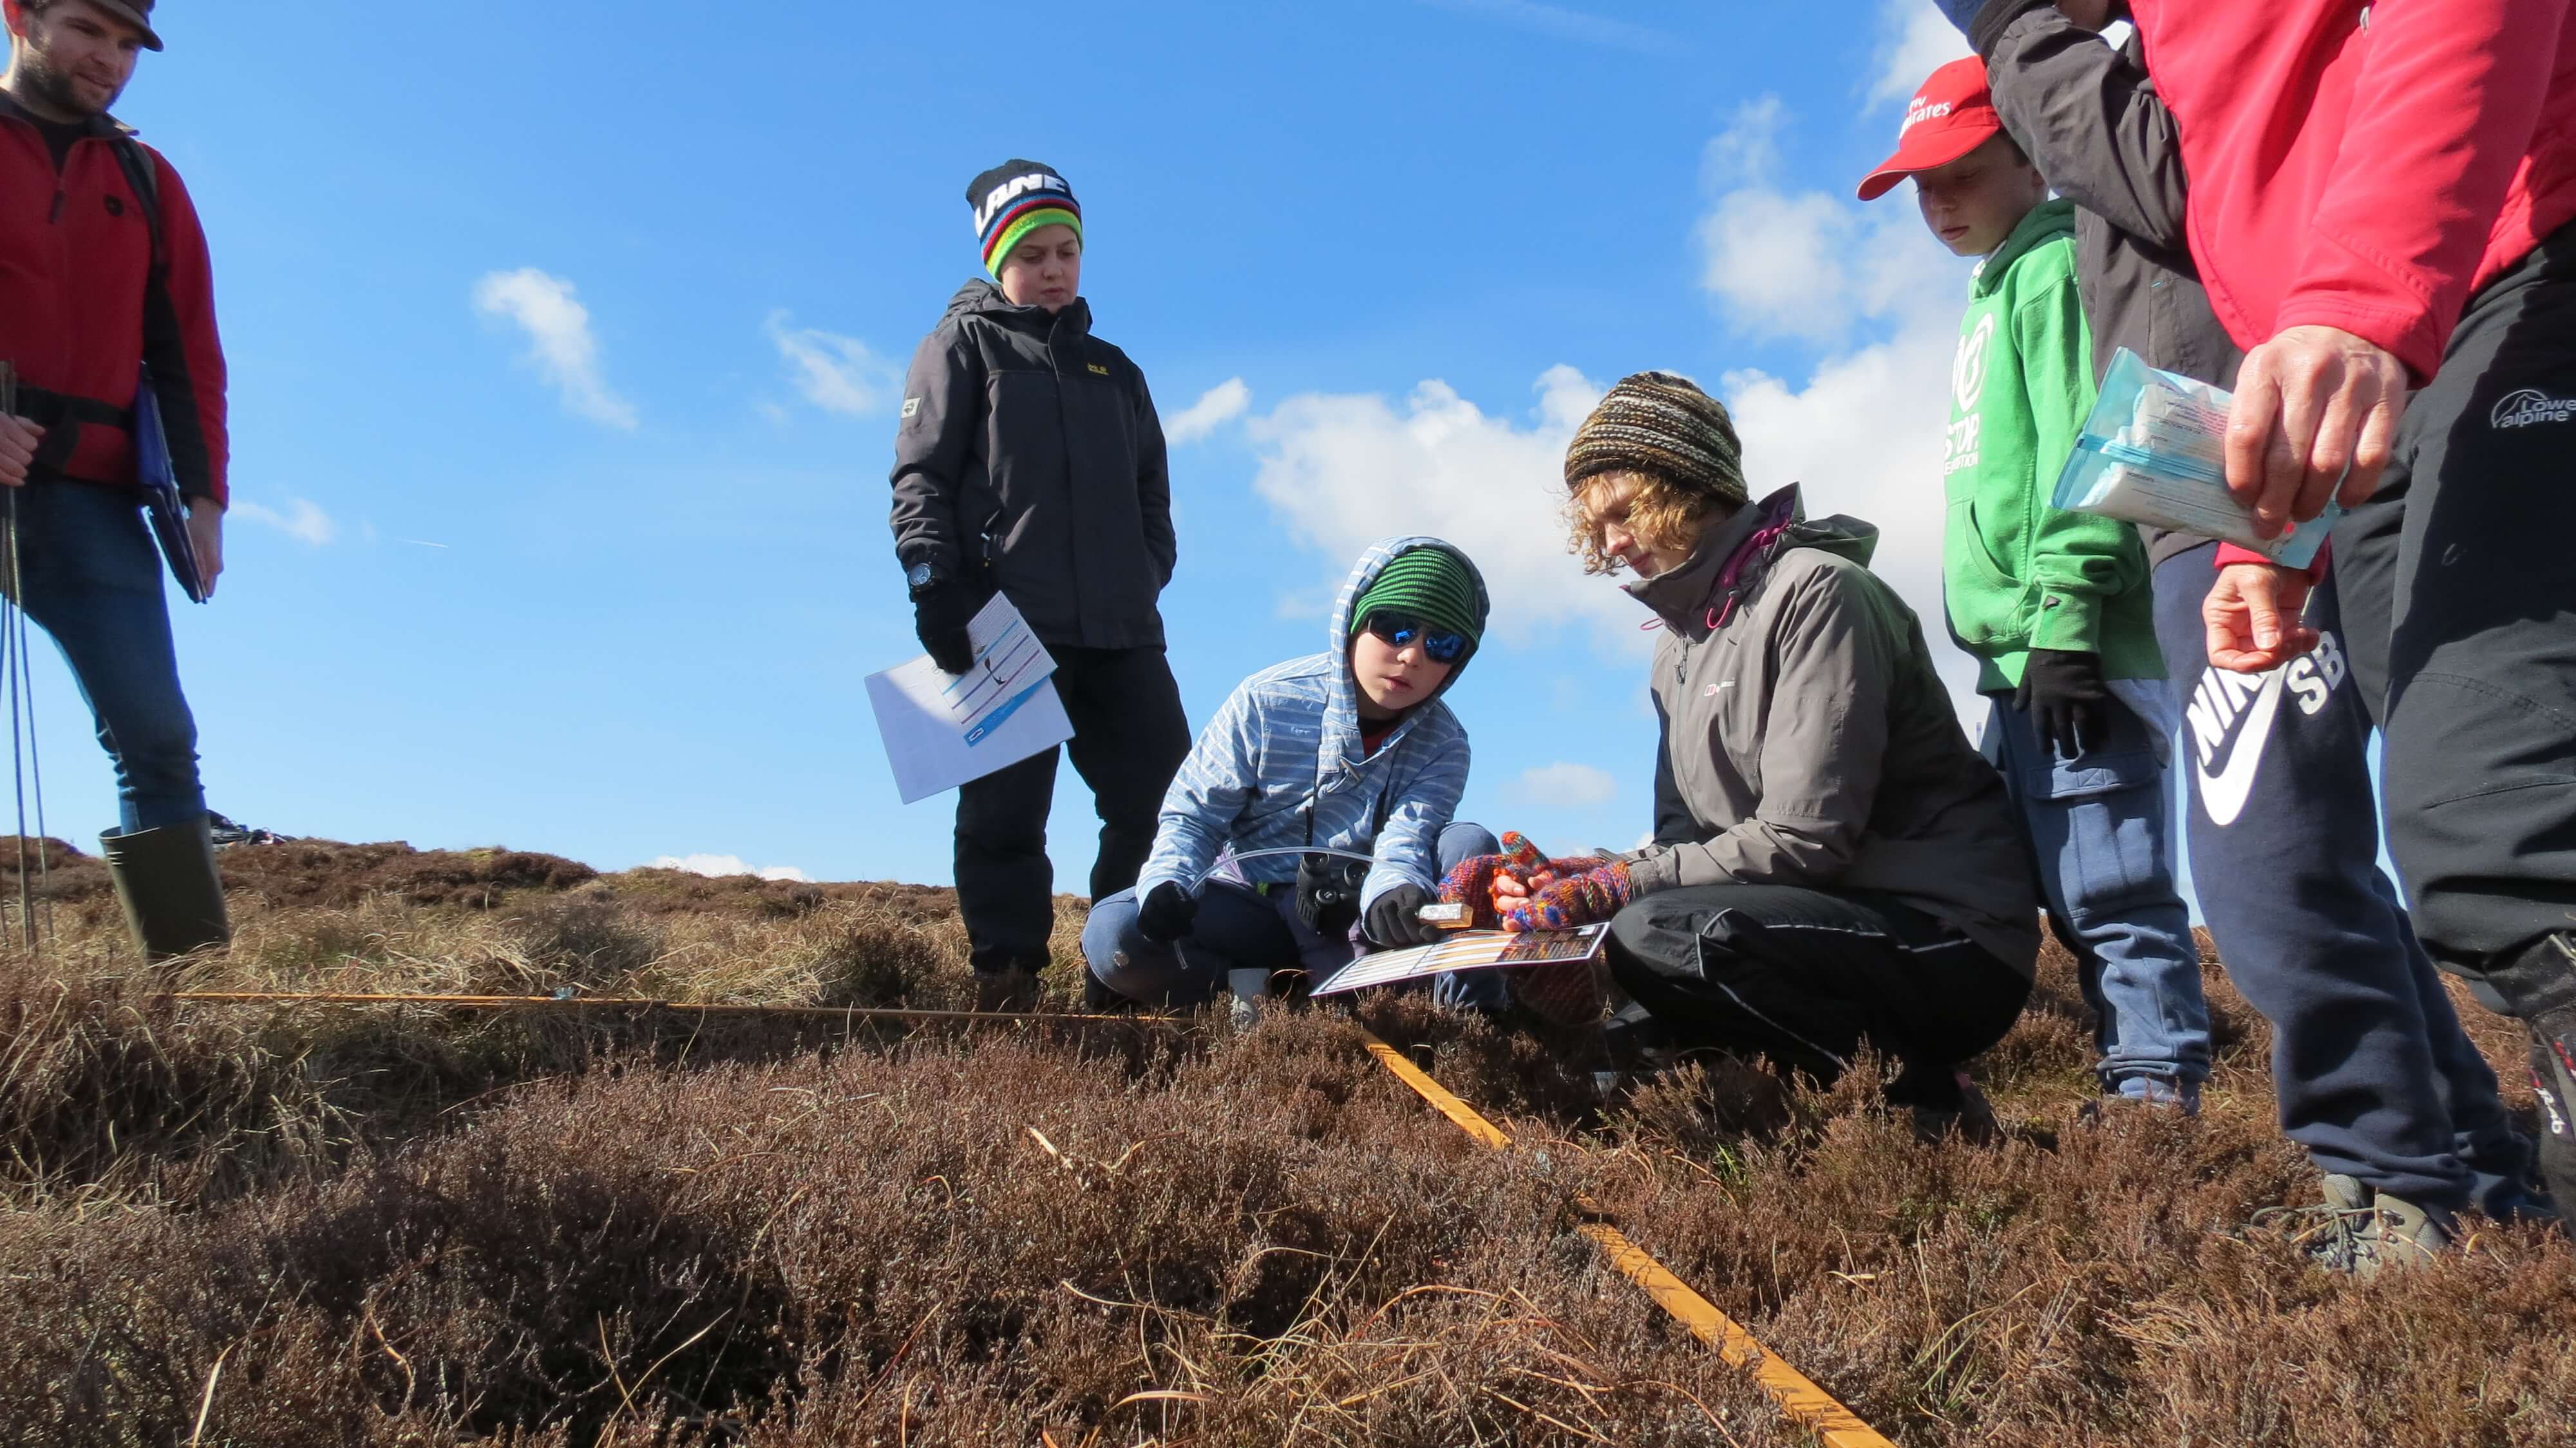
<point>1441,646</point>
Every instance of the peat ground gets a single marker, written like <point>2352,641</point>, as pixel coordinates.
<point>412,1225</point>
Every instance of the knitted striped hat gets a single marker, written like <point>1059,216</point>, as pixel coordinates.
<point>1014,199</point>
<point>1662,425</point>
<point>1431,584</point>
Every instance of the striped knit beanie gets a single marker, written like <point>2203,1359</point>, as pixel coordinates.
<point>1014,199</point>
<point>1662,425</point>
<point>1431,584</point>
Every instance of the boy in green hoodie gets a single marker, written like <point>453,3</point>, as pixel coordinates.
<point>2055,604</point>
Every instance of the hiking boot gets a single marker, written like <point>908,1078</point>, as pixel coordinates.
<point>166,883</point>
<point>1972,1120</point>
<point>1006,992</point>
<point>225,832</point>
<point>2161,1093</point>
<point>2361,1231</point>
<point>2539,987</point>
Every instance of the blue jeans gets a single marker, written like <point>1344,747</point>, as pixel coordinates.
<point>92,579</point>
<point>2101,832</point>
<point>1241,927</point>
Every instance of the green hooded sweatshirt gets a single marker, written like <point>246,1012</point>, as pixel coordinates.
<point>2018,573</point>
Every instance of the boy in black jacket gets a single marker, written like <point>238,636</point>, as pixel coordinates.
<point>1029,460</point>
<point>2375,1076</point>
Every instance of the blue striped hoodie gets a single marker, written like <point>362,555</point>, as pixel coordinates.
<point>1289,737</point>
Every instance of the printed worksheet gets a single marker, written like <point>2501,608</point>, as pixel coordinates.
<point>1474,950</point>
<point>942,729</point>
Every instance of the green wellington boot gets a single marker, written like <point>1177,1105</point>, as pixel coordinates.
<point>165,879</point>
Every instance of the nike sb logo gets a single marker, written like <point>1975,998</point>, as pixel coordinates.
<point>2231,717</point>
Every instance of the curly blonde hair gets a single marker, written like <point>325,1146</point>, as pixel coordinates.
<point>1664,517</point>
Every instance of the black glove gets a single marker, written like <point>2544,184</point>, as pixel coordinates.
<point>1166,913</point>
<point>940,612</point>
<point>1394,920</point>
<point>2068,704</point>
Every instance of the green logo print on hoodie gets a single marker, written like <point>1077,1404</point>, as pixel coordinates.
<point>2017,573</point>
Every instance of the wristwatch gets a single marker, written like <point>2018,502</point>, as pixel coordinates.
<point>920,576</point>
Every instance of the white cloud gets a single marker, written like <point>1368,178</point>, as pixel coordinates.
<point>1345,470</point>
<point>1215,408</point>
<point>722,865</point>
<point>302,521</point>
<point>1915,39</point>
<point>1567,786</point>
<point>833,372</point>
<point>560,344</point>
<point>1864,428</point>
<point>1560,23</point>
<point>1810,264</point>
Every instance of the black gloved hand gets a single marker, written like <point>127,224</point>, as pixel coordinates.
<point>1167,913</point>
<point>2068,703</point>
<point>1394,921</point>
<point>940,612</point>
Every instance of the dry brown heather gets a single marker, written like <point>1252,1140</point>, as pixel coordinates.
<point>344,1225</point>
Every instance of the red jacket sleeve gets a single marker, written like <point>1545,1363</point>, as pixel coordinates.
<point>181,345</point>
<point>2443,111</point>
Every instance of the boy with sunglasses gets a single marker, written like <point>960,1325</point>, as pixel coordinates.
<point>1313,762</point>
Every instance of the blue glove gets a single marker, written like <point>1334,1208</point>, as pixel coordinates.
<point>1961,13</point>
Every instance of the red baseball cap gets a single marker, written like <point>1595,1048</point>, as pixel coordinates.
<point>1950,116</point>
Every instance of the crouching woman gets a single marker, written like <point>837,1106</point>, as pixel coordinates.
<point>1832,864</point>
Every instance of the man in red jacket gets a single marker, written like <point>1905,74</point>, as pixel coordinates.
<point>103,270</point>
<point>2380,204</point>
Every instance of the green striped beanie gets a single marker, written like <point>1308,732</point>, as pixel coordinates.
<point>1431,584</point>
<point>1015,198</point>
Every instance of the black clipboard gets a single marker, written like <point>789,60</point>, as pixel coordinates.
<point>160,482</point>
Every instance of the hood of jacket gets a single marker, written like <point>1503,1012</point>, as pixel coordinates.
<point>1341,744</point>
<point>2046,222</point>
<point>982,297</point>
<point>1695,599</point>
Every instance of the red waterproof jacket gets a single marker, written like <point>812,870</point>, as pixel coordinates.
<point>82,305</point>
<point>2366,166</point>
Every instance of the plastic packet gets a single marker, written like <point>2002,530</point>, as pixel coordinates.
<point>2154,451</point>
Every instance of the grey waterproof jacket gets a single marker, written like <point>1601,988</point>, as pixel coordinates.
<point>1808,740</point>
<point>1029,458</point>
<point>2090,119</point>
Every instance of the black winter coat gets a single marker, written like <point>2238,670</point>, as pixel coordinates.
<point>1029,458</point>
<point>2091,121</point>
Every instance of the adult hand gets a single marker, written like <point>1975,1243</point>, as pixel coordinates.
<point>2252,617</point>
<point>206,536</point>
<point>1477,881</point>
<point>18,440</point>
<point>1167,913</point>
<point>2315,419</point>
<point>1395,919</point>
<point>940,613</point>
<point>2068,704</point>
<point>1587,898</point>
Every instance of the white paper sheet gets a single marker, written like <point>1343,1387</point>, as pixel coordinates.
<point>1475,950</point>
<point>943,729</point>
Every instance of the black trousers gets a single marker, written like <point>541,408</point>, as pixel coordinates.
<point>1807,977</point>
<point>2459,602</point>
<point>1129,738</point>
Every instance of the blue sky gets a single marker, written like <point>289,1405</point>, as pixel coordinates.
<point>565,341</point>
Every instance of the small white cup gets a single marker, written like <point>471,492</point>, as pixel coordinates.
<point>1249,988</point>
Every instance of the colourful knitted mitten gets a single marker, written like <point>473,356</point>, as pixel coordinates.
<point>1472,882</point>
<point>1587,898</point>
